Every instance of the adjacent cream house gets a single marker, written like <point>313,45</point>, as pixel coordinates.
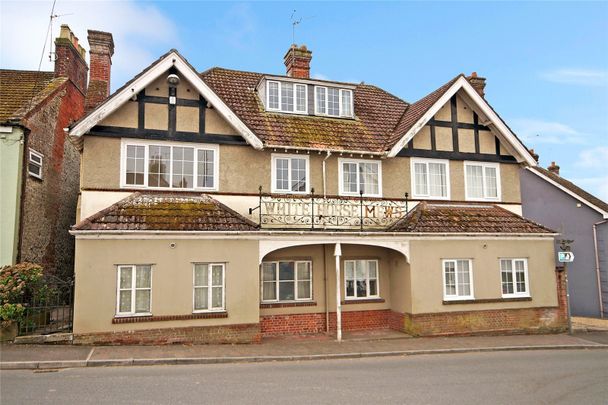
<point>225,206</point>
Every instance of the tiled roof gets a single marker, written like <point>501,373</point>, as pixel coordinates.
<point>416,110</point>
<point>377,112</point>
<point>573,188</point>
<point>167,212</point>
<point>22,90</point>
<point>434,217</point>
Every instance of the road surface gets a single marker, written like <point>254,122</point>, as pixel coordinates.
<point>533,377</point>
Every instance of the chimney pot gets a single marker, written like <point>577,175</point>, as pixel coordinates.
<point>534,155</point>
<point>553,168</point>
<point>297,61</point>
<point>478,83</point>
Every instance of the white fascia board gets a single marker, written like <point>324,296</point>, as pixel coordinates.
<point>569,192</point>
<point>463,83</point>
<point>172,59</point>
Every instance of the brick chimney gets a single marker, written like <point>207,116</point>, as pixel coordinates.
<point>102,49</point>
<point>70,59</point>
<point>553,168</point>
<point>297,61</point>
<point>534,154</point>
<point>478,83</point>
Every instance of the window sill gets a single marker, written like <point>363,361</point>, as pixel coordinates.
<point>364,301</point>
<point>267,305</point>
<point>486,300</point>
<point>160,318</point>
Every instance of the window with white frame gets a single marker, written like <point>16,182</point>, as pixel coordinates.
<point>209,290</point>
<point>430,178</point>
<point>361,279</point>
<point>360,175</point>
<point>289,174</point>
<point>168,166</point>
<point>457,279</point>
<point>286,281</point>
<point>286,97</point>
<point>482,181</point>
<point>514,277</point>
<point>333,101</point>
<point>34,164</point>
<point>134,293</point>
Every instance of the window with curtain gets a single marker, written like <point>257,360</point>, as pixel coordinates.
<point>482,181</point>
<point>457,279</point>
<point>134,289</point>
<point>430,178</point>
<point>361,279</point>
<point>360,175</point>
<point>290,174</point>
<point>209,287</point>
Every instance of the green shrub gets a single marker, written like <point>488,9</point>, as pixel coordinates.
<point>18,284</point>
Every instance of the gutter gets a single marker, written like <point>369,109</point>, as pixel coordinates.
<point>313,233</point>
<point>597,266</point>
<point>320,150</point>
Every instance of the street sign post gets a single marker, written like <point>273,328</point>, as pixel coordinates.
<point>565,257</point>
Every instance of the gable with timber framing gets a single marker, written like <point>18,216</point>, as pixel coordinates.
<point>455,132</point>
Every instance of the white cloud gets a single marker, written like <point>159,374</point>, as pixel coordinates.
<point>319,76</point>
<point>598,186</point>
<point>594,158</point>
<point>539,131</point>
<point>584,77</point>
<point>136,28</point>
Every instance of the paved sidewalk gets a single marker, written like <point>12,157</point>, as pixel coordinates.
<point>276,349</point>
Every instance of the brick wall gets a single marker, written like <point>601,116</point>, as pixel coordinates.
<point>49,205</point>
<point>301,324</point>
<point>242,333</point>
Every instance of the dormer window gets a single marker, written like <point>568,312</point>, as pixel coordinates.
<point>333,102</point>
<point>287,97</point>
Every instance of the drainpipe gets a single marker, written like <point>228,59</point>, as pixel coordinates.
<point>337,254</point>
<point>597,266</point>
<point>326,289</point>
<point>324,182</point>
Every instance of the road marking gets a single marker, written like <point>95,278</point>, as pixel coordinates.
<point>90,354</point>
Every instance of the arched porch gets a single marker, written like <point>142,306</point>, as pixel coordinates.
<point>320,286</point>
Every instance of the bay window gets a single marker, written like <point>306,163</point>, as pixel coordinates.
<point>482,181</point>
<point>290,174</point>
<point>361,279</point>
<point>360,175</point>
<point>457,279</point>
<point>286,281</point>
<point>430,178</point>
<point>161,165</point>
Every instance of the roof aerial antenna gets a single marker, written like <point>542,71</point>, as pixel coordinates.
<point>51,52</point>
<point>294,22</point>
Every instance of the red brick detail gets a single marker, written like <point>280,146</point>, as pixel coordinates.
<point>496,321</point>
<point>241,333</point>
<point>160,318</point>
<point>288,304</point>
<point>102,49</point>
<point>302,324</point>
<point>297,61</point>
<point>364,301</point>
<point>69,63</point>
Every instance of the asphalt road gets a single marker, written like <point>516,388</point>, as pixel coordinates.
<point>534,377</point>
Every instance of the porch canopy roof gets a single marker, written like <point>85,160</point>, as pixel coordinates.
<point>437,217</point>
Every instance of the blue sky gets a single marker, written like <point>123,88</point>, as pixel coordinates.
<point>546,63</point>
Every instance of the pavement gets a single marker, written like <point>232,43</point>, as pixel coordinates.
<point>355,345</point>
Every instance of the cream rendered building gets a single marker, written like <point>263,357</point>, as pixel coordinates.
<point>226,206</point>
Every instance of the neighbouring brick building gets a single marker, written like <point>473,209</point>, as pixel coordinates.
<point>40,166</point>
<point>225,206</point>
